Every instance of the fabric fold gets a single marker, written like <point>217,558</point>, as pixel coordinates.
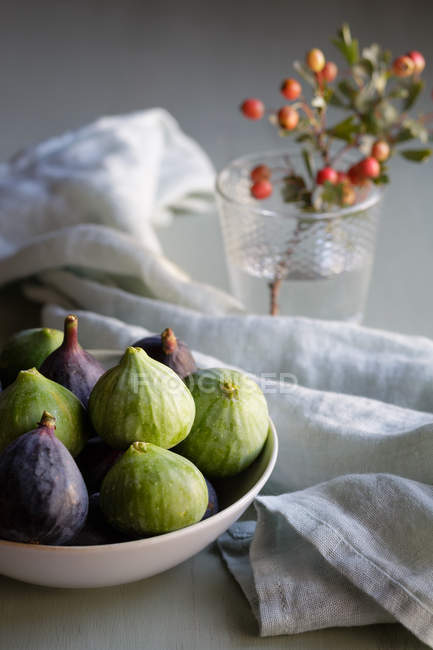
<point>353,551</point>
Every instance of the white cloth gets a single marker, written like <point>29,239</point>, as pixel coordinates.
<point>76,217</point>
<point>87,201</point>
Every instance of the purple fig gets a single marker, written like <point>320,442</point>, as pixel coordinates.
<point>94,462</point>
<point>71,366</point>
<point>212,506</point>
<point>167,349</point>
<point>96,531</point>
<point>43,497</point>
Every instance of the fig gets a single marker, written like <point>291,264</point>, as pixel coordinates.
<point>151,490</point>
<point>71,366</point>
<point>94,462</point>
<point>96,531</point>
<point>141,400</point>
<point>231,423</point>
<point>212,505</point>
<point>167,349</point>
<point>27,349</point>
<point>43,498</point>
<point>23,401</point>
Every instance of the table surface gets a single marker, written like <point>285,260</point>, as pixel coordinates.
<point>195,606</point>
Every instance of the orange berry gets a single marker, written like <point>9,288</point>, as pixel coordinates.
<point>418,60</point>
<point>403,66</point>
<point>348,195</point>
<point>315,60</point>
<point>288,118</point>
<point>329,71</point>
<point>253,109</point>
<point>291,89</point>
<point>380,150</point>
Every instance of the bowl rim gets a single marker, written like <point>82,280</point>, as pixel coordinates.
<point>180,533</point>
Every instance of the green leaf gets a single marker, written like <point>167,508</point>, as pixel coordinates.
<point>308,162</point>
<point>416,155</point>
<point>404,135</point>
<point>346,88</point>
<point>336,100</point>
<point>293,188</point>
<point>413,94</point>
<point>383,179</point>
<point>345,130</point>
<point>350,51</point>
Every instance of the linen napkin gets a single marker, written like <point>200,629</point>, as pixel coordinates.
<point>353,551</point>
<point>77,218</point>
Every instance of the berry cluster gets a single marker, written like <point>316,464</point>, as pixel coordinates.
<point>374,127</point>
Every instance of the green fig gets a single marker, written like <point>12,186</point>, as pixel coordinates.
<point>27,349</point>
<point>151,490</point>
<point>141,400</point>
<point>231,422</point>
<point>22,403</point>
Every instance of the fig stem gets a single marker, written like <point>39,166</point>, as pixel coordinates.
<point>169,341</point>
<point>70,331</point>
<point>48,421</point>
<point>229,389</point>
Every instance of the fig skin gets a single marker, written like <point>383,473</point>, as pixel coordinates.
<point>141,400</point>
<point>71,366</point>
<point>167,349</point>
<point>212,506</point>
<point>151,491</point>
<point>27,349</point>
<point>23,401</point>
<point>231,423</point>
<point>96,531</point>
<point>94,462</point>
<point>43,497</point>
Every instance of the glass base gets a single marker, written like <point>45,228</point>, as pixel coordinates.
<point>337,297</point>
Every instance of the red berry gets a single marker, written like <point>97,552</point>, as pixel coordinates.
<point>369,167</point>
<point>260,173</point>
<point>253,109</point>
<point>291,89</point>
<point>355,175</point>
<point>261,189</point>
<point>327,174</point>
<point>403,66</point>
<point>329,71</point>
<point>315,60</point>
<point>380,150</point>
<point>288,118</point>
<point>342,177</point>
<point>418,60</point>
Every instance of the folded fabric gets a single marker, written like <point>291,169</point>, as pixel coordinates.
<point>353,551</point>
<point>322,434</point>
<point>88,201</point>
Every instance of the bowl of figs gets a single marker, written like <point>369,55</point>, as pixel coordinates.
<point>118,465</point>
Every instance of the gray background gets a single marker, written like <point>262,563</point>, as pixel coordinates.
<point>64,63</point>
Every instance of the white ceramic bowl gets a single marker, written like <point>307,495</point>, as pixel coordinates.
<point>115,564</point>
